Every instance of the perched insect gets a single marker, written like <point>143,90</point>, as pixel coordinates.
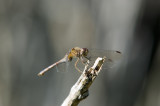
<point>84,54</point>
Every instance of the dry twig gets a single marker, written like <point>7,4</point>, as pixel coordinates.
<point>80,91</point>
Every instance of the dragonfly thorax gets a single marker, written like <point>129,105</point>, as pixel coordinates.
<point>77,52</point>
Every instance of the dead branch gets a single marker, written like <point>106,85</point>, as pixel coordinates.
<point>80,91</point>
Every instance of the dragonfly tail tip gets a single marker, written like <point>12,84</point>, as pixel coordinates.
<point>40,74</point>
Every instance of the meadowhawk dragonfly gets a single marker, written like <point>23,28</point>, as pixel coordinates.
<point>83,55</point>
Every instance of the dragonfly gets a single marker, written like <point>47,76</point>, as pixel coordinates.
<point>84,55</point>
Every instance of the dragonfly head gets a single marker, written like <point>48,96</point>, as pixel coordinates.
<point>84,52</point>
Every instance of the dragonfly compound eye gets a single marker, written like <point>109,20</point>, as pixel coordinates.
<point>84,52</point>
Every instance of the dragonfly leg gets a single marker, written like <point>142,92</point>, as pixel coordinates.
<point>83,62</point>
<point>76,66</point>
<point>88,58</point>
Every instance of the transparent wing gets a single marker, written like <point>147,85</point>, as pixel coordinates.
<point>61,65</point>
<point>111,56</point>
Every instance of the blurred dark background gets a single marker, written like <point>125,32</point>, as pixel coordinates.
<point>36,33</point>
